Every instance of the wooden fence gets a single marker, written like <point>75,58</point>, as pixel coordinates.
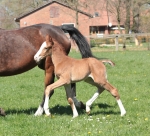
<point>136,37</point>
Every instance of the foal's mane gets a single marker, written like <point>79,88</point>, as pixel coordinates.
<point>58,45</point>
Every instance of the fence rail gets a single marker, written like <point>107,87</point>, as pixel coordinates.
<point>119,35</point>
<point>136,37</point>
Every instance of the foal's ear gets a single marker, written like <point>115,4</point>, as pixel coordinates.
<point>49,40</point>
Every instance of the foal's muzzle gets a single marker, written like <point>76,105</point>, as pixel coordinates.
<point>37,59</point>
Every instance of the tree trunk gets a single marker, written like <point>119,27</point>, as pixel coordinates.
<point>127,23</point>
<point>77,21</point>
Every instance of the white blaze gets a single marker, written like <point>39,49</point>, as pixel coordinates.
<point>37,55</point>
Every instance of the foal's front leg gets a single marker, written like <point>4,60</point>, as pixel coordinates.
<point>49,79</point>
<point>48,90</point>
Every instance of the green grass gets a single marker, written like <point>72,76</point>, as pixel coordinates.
<point>21,95</point>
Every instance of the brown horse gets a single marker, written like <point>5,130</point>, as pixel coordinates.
<point>69,70</point>
<point>18,47</point>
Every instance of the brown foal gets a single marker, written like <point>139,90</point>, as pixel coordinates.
<point>69,70</point>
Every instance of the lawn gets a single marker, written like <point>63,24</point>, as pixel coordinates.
<point>21,95</point>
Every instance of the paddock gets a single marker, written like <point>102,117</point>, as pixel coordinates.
<point>130,75</point>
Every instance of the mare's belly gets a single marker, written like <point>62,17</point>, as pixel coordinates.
<point>13,64</point>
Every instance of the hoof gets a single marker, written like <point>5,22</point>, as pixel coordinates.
<point>88,112</point>
<point>48,115</point>
<point>37,115</point>
<point>2,112</point>
<point>74,116</point>
<point>39,111</point>
<point>82,105</point>
<point>124,113</point>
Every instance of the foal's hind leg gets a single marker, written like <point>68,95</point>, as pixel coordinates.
<point>94,97</point>
<point>115,93</point>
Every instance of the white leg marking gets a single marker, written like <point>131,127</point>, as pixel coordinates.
<point>39,111</point>
<point>75,113</point>
<point>122,109</point>
<point>89,102</point>
<point>46,107</point>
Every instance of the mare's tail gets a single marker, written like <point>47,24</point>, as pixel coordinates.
<point>80,40</point>
<point>108,61</point>
<point>82,43</point>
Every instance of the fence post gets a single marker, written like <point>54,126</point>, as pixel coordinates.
<point>116,42</point>
<point>136,40</point>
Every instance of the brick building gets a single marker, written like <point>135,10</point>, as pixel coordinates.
<point>93,22</point>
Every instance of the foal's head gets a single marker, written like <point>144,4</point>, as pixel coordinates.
<point>45,49</point>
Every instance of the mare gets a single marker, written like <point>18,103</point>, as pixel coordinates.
<point>18,47</point>
<point>69,70</point>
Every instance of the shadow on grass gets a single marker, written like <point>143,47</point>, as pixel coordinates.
<point>66,110</point>
<point>104,109</point>
<point>29,111</point>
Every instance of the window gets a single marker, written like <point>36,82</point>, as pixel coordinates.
<point>97,29</point>
<point>70,24</point>
<point>54,11</point>
<point>96,14</point>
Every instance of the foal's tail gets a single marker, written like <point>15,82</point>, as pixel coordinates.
<point>109,62</point>
<point>80,40</point>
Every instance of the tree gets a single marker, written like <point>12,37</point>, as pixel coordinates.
<point>145,21</point>
<point>11,9</point>
<point>83,5</point>
<point>128,15</point>
<point>116,9</point>
<point>137,8</point>
<point>75,6</point>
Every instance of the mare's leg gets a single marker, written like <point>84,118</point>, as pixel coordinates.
<point>115,93</point>
<point>48,91</point>
<point>72,99</point>
<point>76,102</point>
<point>49,79</point>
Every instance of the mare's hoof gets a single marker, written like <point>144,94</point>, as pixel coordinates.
<point>2,112</point>
<point>82,105</point>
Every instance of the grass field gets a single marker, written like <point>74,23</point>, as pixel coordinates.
<point>21,95</point>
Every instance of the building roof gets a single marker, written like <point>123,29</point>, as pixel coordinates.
<point>54,1</point>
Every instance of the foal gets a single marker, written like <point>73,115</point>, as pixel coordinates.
<point>69,70</point>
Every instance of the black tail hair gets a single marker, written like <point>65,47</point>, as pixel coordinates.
<point>81,41</point>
